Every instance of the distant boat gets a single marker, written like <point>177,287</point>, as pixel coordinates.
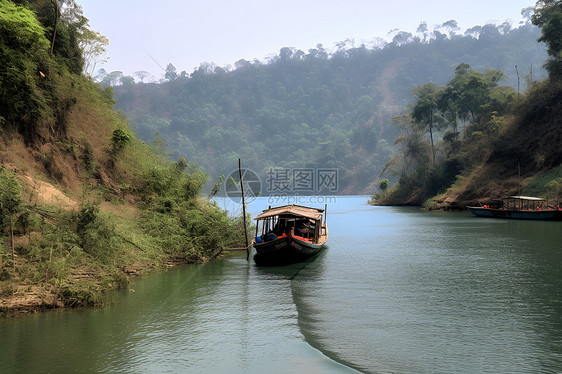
<point>518,207</point>
<point>289,234</point>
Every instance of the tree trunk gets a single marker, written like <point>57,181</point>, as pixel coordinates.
<point>432,148</point>
<point>12,243</point>
<point>57,17</point>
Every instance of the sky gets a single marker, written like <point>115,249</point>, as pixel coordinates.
<point>147,35</point>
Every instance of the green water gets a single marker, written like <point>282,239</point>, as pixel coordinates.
<point>397,290</point>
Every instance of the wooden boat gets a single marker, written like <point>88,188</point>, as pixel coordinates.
<point>518,207</point>
<point>289,234</point>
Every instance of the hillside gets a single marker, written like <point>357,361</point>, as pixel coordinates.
<point>497,142</point>
<point>524,161</point>
<point>84,205</point>
<point>316,109</point>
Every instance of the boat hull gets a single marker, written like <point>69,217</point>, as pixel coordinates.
<point>284,251</point>
<point>546,215</point>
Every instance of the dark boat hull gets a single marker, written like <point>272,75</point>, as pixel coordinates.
<point>546,215</point>
<point>284,251</point>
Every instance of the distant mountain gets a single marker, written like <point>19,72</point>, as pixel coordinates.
<point>316,110</point>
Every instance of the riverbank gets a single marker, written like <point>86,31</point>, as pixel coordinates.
<point>25,296</point>
<point>521,157</point>
<point>63,253</point>
<point>83,289</point>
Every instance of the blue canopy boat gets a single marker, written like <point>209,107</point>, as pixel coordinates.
<point>518,207</point>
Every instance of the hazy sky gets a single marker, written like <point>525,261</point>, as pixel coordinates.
<point>145,35</point>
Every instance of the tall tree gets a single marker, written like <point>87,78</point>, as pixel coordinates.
<point>142,75</point>
<point>171,72</point>
<point>426,110</point>
<point>93,46</point>
<point>10,204</point>
<point>548,16</point>
<point>57,12</point>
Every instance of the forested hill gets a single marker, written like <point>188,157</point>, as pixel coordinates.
<point>84,205</point>
<point>316,109</point>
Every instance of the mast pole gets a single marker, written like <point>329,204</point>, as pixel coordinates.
<point>244,210</point>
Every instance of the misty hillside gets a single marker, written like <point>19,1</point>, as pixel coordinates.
<point>316,109</point>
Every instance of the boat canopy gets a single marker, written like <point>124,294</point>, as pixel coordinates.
<point>525,198</point>
<point>297,210</point>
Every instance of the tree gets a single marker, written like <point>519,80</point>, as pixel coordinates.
<point>102,73</point>
<point>127,81</point>
<point>466,97</point>
<point>383,184</point>
<point>425,110</point>
<point>171,72</point>
<point>423,30</point>
<point>402,38</point>
<point>142,75</point>
<point>413,150</point>
<point>451,26</point>
<point>64,22</point>
<point>548,16</point>
<point>57,12</point>
<point>24,52</point>
<point>120,139</point>
<point>93,46</point>
<point>10,204</point>
<point>112,79</point>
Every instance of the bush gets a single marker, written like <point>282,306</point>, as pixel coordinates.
<point>97,234</point>
<point>383,184</point>
<point>443,176</point>
<point>120,139</point>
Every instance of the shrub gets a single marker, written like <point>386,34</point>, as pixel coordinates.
<point>383,184</point>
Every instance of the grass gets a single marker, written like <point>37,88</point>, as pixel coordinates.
<point>132,212</point>
<point>541,185</point>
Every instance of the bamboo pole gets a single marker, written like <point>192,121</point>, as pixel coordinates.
<point>244,210</point>
<point>517,71</point>
<point>12,242</point>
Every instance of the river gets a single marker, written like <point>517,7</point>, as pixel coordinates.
<point>397,290</point>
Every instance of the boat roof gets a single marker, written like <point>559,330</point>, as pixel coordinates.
<point>297,210</point>
<point>525,198</point>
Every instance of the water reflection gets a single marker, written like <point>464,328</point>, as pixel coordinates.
<point>436,292</point>
<point>398,290</point>
<point>227,316</point>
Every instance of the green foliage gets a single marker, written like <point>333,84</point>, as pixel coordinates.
<point>314,109</point>
<point>548,16</point>
<point>93,46</point>
<point>96,234</point>
<point>10,200</point>
<point>472,101</point>
<point>443,176</point>
<point>39,47</point>
<point>171,72</point>
<point>120,139</point>
<point>425,110</point>
<point>552,190</point>
<point>546,183</point>
<point>383,184</point>
<point>24,96</point>
<point>19,27</point>
<point>82,254</point>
